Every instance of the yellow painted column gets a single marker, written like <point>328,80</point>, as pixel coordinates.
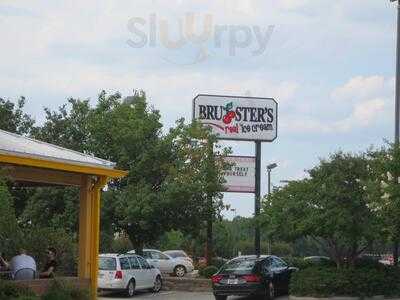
<point>95,234</point>
<point>85,216</point>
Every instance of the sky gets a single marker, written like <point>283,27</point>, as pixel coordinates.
<point>329,64</point>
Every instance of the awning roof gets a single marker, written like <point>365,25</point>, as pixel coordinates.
<point>27,151</point>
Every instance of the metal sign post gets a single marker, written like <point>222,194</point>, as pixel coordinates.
<point>257,203</point>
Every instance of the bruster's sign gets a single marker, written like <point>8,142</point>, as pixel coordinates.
<point>238,118</point>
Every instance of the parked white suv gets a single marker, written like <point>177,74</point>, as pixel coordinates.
<point>166,264</point>
<point>127,273</point>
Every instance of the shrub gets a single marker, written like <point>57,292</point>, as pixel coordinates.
<point>36,241</point>
<point>297,262</point>
<point>217,262</point>
<point>366,281</point>
<point>60,290</point>
<point>121,244</point>
<point>300,263</point>
<point>209,271</point>
<point>9,290</point>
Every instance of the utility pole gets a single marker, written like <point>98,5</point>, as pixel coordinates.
<point>397,114</point>
<point>397,103</point>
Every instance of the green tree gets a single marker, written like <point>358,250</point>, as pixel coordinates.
<point>176,190</point>
<point>12,117</point>
<point>10,235</point>
<point>172,240</point>
<point>384,189</point>
<point>332,207</point>
<point>55,207</point>
<point>170,175</point>
<point>67,127</point>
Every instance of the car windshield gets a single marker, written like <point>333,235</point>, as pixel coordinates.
<point>107,264</point>
<point>238,266</point>
<point>175,254</point>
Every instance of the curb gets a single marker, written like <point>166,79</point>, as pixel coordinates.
<point>187,284</point>
<point>378,297</point>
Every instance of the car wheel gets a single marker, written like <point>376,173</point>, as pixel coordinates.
<point>220,297</point>
<point>157,284</point>
<point>180,271</point>
<point>130,289</point>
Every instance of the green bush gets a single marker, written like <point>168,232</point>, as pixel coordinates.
<point>207,272</point>
<point>297,262</point>
<point>366,281</point>
<point>61,290</point>
<point>300,263</point>
<point>36,241</point>
<point>10,291</point>
<point>217,262</point>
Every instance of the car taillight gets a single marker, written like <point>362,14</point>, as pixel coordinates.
<point>216,278</point>
<point>118,275</point>
<point>252,278</point>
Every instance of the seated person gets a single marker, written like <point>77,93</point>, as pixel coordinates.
<point>51,264</point>
<point>22,261</point>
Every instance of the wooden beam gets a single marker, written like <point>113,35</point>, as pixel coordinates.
<point>38,175</point>
<point>61,166</point>
<point>85,221</point>
<point>95,236</point>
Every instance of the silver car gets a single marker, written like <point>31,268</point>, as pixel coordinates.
<point>178,254</point>
<point>176,266</point>
<point>127,273</point>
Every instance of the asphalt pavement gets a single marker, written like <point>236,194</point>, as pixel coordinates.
<point>171,295</point>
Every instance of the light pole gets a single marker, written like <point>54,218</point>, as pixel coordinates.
<point>397,109</point>
<point>397,97</point>
<point>270,167</point>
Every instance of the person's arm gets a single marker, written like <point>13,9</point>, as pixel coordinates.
<point>4,262</point>
<point>47,273</point>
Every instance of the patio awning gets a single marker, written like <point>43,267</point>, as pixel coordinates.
<point>26,160</point>
<point>17,149</point>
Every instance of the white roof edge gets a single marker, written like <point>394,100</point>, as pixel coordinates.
<point>54,159</point>
<point>79,157</point>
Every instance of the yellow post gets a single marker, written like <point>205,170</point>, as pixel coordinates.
<point>95,236</point>
<point>85,216</point>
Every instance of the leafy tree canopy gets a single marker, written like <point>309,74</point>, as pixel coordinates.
<point>332,206</point>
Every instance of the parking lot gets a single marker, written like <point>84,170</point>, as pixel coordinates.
<point>171,295</point>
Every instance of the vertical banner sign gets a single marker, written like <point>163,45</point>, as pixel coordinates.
<point>238,118</point>
<point>240,175</point>
<point>243,119</point>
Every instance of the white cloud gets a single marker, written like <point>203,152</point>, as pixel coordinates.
<point>367,98</point>
<point>364,114</point>
<point>33,64</point>
<point>362,87</point>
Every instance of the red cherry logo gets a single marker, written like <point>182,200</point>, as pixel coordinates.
<point>227,119</point>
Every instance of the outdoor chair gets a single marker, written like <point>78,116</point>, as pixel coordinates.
<point>25,274</point>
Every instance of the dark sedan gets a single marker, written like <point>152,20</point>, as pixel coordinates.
<point>266,277</point>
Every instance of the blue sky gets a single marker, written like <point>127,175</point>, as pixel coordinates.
<point>329,64</point>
